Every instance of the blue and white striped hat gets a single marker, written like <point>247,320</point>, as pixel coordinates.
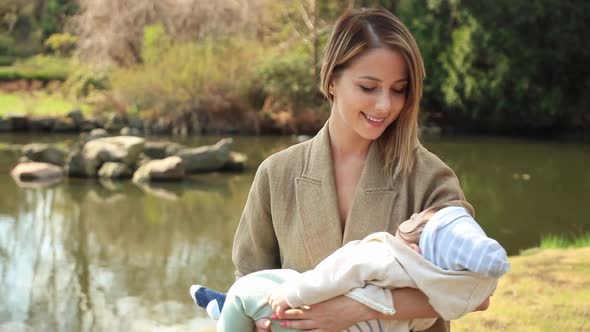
<point>452,240</point>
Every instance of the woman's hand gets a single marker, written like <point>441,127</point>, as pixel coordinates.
<point>333,315</point>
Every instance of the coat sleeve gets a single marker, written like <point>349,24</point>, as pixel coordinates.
<point>255,245</point>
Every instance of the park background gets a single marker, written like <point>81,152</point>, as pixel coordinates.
<point>506,105</point>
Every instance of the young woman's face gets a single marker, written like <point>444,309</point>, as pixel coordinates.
<point>370,93</point>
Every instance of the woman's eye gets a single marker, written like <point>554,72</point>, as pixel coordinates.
<point>366,88</point>
<point>399,91</point>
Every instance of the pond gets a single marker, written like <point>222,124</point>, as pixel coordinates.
<point>86,255</point>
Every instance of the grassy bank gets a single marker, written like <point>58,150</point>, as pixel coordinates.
<point>545,290</point>
<point>37,103</point>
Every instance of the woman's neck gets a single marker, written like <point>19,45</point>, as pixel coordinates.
<point>346,143</point>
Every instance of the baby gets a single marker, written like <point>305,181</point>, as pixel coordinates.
<point>458,270</point>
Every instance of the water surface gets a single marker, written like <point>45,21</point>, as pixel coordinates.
<point>86,255</point>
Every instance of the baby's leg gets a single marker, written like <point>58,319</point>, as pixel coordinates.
<point>246,301</point>
<point>208,299</point>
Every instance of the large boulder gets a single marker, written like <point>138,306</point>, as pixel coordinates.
<point>111,170</point>
<point>96,134</point>
<point>168,169</point>
<point>123,149</point>
<point>206,158</point>
<point>129,131</point>
<point>77,166</point>
<point>87,161</point>
<point>162,149</point>
<point>44,153</point>
<point>34,171</point>
<point>236,162</point>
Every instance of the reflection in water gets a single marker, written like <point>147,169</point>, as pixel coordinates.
<point>81,258</point>
<point>86,255</point>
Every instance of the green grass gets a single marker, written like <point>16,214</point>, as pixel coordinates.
<point>38,104</point>
<point>41,68</point>
<point>44,75</point>
<point>553,241</point>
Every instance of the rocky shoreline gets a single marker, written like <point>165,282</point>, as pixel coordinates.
<point>98,155</point>
<point>75,122</point>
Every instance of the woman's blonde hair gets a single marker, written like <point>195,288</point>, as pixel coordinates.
<point>357,31</point>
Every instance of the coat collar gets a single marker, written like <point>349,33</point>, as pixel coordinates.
<point>317,201</point>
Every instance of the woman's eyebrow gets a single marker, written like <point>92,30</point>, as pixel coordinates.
<point>378,80</point>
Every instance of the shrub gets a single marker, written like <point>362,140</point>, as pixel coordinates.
<point>62,44</point>
<point>290,78</point>
<point>40,68</point>
<point>174,75</point>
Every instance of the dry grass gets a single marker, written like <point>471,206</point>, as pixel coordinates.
<point>546,290</point>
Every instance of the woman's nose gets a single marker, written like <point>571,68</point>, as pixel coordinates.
<point>383,103</point>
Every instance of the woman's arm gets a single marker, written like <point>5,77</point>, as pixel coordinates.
<point>341,312</point>
<point>255,245</point>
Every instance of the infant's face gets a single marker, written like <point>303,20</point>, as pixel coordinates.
<point>424,216</point>
<point>412,246</point>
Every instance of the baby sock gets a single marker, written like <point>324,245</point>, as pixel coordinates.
<point>208,299</point>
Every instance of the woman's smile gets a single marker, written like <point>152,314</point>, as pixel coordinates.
<point>374,120</point>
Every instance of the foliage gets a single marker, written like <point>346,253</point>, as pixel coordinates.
<point>162,82</point>
<point>290,78</point>
<point>25,24</point>
<point>83,80</point>
<point>42,68</point>
<point>504,66</point>
<point>62,44</point>
<point>553,241</point>
<point>112,31</point>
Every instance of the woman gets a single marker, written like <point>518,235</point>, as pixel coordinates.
<point>364,172</point>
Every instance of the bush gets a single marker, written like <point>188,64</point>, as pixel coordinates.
<point>290,78</point>
<point>62,44</point>
<point>82,81</point>
<point>6,60</point>
<point>40,68</point>
<point>174,76</point>
<point>6,45</point>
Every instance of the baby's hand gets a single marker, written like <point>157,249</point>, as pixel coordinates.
<point>278,304</point>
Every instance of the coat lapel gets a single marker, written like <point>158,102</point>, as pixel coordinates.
<point>373,200</point>
<point>317,207</point>
<point>317,203</point>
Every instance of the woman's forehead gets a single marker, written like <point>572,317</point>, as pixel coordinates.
<point>379,64</point>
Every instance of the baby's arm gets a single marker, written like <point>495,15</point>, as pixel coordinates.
<point>349,267</point>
